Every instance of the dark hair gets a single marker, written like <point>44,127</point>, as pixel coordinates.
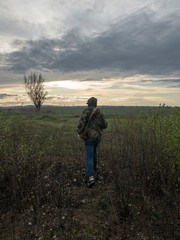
<point>92,102</point>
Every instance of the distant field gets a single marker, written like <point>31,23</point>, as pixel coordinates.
<point>122,111</point>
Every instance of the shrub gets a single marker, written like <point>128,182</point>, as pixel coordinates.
<point>144,156</point>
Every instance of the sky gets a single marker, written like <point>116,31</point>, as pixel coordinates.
<point>123,52</point>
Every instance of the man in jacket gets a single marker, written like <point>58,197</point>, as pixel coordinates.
<point>92,120</point>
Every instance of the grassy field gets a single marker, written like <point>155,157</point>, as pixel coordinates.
<point>43,190</point>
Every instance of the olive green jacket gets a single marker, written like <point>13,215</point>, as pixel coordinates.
<point>95,125</point>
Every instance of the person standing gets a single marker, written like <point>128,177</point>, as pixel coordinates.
<point>92,122</point>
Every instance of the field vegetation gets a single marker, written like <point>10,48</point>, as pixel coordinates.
<point>43,194</point>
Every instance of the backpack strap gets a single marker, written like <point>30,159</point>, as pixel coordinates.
<point>93,111</point>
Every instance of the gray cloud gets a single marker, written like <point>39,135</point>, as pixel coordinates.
<point>142,44</point>
<point>138,45</point>
<point>175,86</point>
<point>5,95</point>
<point>170,83</point>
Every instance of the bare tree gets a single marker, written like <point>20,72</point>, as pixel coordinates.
<point>34,85</point>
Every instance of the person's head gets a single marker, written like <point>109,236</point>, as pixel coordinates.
<point>92,102</point>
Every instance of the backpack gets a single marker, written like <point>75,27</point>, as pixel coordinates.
<point>84,135</point>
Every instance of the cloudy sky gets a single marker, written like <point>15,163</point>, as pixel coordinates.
<point>123,52</point>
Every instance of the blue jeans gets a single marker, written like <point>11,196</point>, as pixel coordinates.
<point>91,158</point>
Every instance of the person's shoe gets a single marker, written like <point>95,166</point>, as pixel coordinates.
<point>91,182</point>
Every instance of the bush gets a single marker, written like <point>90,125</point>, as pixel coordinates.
<point>144,156</point>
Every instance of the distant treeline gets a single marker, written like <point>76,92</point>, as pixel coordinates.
<point>121,111</point>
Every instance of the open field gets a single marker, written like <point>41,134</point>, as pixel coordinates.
<point>42,175</point>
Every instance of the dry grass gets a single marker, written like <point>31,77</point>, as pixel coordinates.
<point>43,192</point>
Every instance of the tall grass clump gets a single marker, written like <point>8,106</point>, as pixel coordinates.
<point>32,177</point>
<point>144,158</point>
